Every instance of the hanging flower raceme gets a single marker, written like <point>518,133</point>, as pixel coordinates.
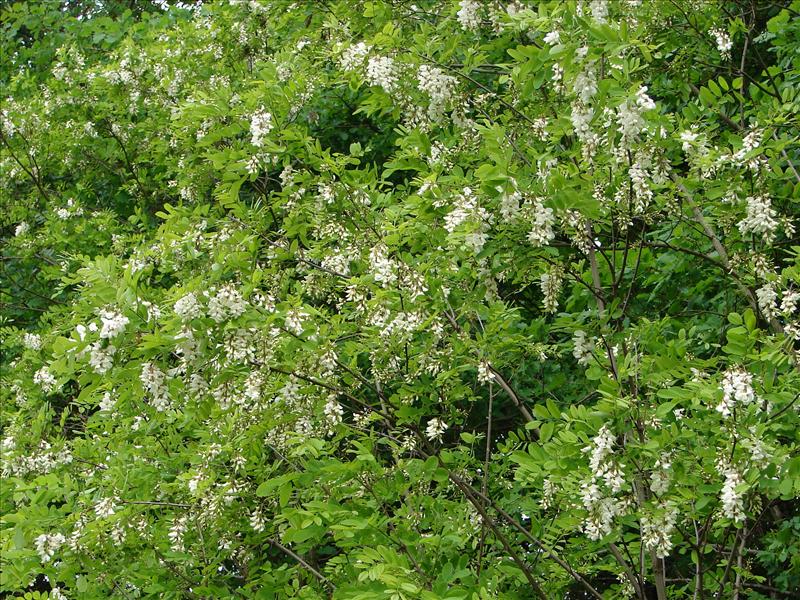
<point>737,388</point>
<point>260,127</point>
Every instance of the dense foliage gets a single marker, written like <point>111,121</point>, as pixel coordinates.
<point>365,299</point>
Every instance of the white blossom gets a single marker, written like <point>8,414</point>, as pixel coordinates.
<point>688,139</point>
<point>601,448</point>
<point>354,56</point>
<point>22,229</point>
<point>101,359</point>
<point>599,10</point>
<point>227,303</point>
<point>177,532</point>
<point>295,319</point>
<point>257,520</point>
<point>731,497</point>
<point>542,221</point>
<point>737,387</point>
<point>107,402</point>
<point>662,475</point>
<point>439,87</point>
<point>188,308</point>
<point>381,266</point>
<point>601,511</point>
<point>724,42</point>
<point>57,594</point>
<point>435,429</point>
<point>582,348</point>
<point>260,126</point>
<point>105,508</point>
<point>550,283</point>
<point>466,211</point>
<point>766,297</point>
<point>657,529</point>
<point>509,206</point>
<point>113,323</point>
<point>333,413</point>
<point>469,14</point>
<point>48,544</point>
<point>154,382</point>
<point>32,341</point>
<point>45,379</point>
<point>760,219</point>
<point>485,373</point>
<point>789,302</point>
<point>381,72</point>
<point>552,38</point>
<point>548,494</point>
<point>585,85</point>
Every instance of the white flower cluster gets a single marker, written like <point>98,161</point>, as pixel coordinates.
<point>737,387</point>
<point>176,533</point>
<point>113,323</point>
<point>766,297</point>
<point>295,320</point>
<point>32,341</point>
<point>509,206</point>
<point>550,283</point>
<point>57,594</point>
<point>601,449</point>
<point>585,85</point>
<point>548,494</point>
<point>469,14</point>
<point>72,209</point>
<point>581,118</point>
<point>731,497</point>
<point>542,221</point>
<point>657,529</point>
<point>439,87</point>
<point>582,347</point>
<point>629,116</point>
<point>599,10</point>
<point>188,308</point>
<point>333,414</point>
<point>45,379</point>
<point>688,140</point>
<point>485,373</point>
<point>22,229</point>
<point>48,544</point>
<point>101,359</point>
<point>260,126</point>
<point>750,142</point>
<point>435,429</point>
<point>105,508</point>
<point>107,402</point>
<point>381,266</point>
<point>227,303</point>
<point>662,475</point>
<point>553,38</point>
<point>258,520</point>
<point>154,382</point>
<point>382,72</point>
<point>601,509</point>
<point>41,461</point>
<point>724,42</point>
<point>353,57</point>
<point>467,211</point>
<point>760,219</point>
<point>789,302</point>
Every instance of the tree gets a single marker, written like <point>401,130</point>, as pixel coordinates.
<point>400,300</point>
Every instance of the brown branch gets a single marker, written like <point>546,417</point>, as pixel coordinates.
<point>300,559</point>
